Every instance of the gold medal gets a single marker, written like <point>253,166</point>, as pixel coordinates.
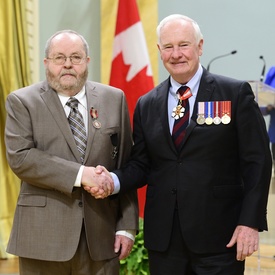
<point>209,112</point>
<point>201,115</point>
<point>209,120</point>
<point>200,119</point>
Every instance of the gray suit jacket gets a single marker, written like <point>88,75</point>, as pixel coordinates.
<point>41,151</point>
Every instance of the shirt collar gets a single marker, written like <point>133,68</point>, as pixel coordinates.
<point>193,83</point>
<point>81,97</point>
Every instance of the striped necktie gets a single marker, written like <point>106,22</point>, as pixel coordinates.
<point>77,126</point>
<point>181,123</point>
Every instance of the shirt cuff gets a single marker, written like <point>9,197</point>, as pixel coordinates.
<point>127,233</point>
<point>116,183</point>
<point>77,182</point>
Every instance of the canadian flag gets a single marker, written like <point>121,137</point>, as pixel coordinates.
<point>131,70</point>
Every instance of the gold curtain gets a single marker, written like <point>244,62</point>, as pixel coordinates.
<point>14,74</point>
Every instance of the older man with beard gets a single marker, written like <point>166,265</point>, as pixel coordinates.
<point>56,132</point>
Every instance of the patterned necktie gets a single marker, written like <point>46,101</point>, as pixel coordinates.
<point>181,123</point>
<point>77,126</point>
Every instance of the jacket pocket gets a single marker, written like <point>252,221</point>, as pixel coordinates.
<point>110,130</point>
<point>27,199</point>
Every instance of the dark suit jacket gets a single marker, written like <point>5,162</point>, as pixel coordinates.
<point>42,153</point>
<point>220,178</point>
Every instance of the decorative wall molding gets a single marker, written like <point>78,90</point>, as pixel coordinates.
<point>32,17</point>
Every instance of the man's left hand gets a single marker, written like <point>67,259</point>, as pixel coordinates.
<point>123,246</point>
<point>247,240</point>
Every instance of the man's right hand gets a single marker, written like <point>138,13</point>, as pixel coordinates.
<point>97,181</point>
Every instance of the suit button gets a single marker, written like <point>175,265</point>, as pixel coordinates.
<point>80,204</point>
<point>174,191</point>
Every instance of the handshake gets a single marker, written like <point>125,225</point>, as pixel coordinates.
<point>97,181</point>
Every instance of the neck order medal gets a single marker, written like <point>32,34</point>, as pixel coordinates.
<point>178,111</point>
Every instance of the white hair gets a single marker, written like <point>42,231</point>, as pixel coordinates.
<point>178,17</point>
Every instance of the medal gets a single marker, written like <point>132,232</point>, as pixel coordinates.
<point>200,118</point>
<point>214,112</point>
<point>226,119</point>
<point>209,112</point>
<point>226,111</point>
<point>209,120</point>
<point>217,119</point>
<point>178,111</point>
<point>96,124</point>
<point>94,115</point>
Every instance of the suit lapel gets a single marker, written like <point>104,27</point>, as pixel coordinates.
<point>161,104</point>
<point>204,94</point>
<point>92,102</point>
<point>53,103</point>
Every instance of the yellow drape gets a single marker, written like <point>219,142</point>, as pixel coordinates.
<point>148,12</point>
<point>14,73</point>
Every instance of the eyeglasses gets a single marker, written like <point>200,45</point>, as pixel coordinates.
<point>61,59</point>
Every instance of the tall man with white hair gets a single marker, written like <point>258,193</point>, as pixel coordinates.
<point>201,146</point>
